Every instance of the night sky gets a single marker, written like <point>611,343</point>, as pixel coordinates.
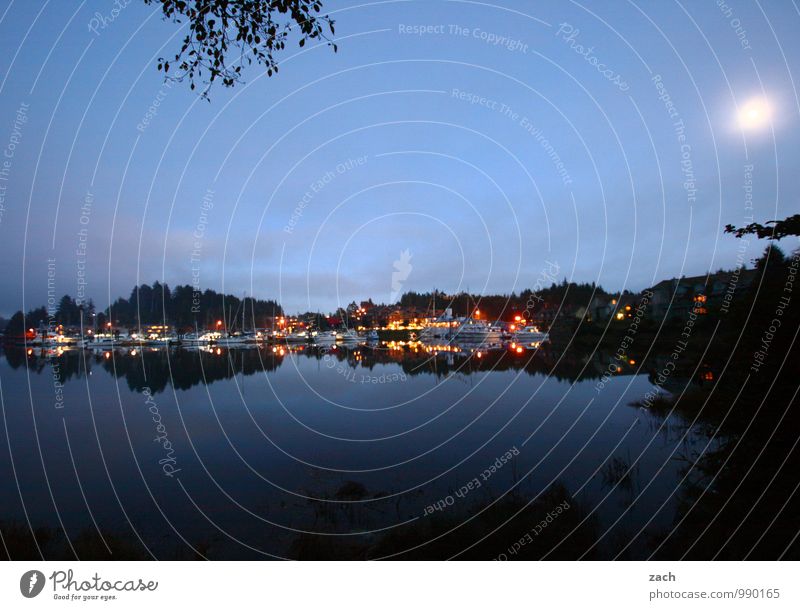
<point>489,141</point>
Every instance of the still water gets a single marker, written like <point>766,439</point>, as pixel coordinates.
<point>277,452</point>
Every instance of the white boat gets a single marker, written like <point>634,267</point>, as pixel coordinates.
<point>476,331</point>
<point>325,337</point>
<point>299,336</point>
<point>349,336</point>
<point>98,342</point>
<point>238,339</point>
<point>439,328</point>
<point>530,336</point>
<point>372,335</point>
<point>430,333</point>
<point>161,340</point>
<point>199,338</point>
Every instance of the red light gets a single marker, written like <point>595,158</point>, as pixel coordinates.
<point>520,350</point>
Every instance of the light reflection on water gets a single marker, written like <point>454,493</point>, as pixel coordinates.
<point>241,451</point>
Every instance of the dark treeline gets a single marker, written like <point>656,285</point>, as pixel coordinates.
<point>182,307</point>
<point>68,312</point>
<point>500,306</point>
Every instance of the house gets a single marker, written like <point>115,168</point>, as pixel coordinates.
<point>675,298</point>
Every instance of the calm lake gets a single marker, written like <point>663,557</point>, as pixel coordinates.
<point>332,452</point>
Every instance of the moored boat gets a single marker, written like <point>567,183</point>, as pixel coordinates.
<point>530,336</point>
<point>476,331</point>
<point>299,336</point>
<point>325,337</point>
<point>349,336</point>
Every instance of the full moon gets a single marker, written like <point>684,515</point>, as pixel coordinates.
<point>755,114</point>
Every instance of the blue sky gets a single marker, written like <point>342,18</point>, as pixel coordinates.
<point>490,145</point>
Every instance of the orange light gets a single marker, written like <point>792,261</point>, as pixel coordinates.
<point>219,322</point>
<point>107,355</point>
<point>520,350</point>
<point>512,327</point>
<point>631,362</point>
<point>517,318</point>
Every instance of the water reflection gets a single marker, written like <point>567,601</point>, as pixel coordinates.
<point>184,368</point>
<point>332,452</point>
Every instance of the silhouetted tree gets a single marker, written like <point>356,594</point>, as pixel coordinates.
<point>772,229</point>
<point>258,29</point>
<point>16,325</point>
<point>68,312</point>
